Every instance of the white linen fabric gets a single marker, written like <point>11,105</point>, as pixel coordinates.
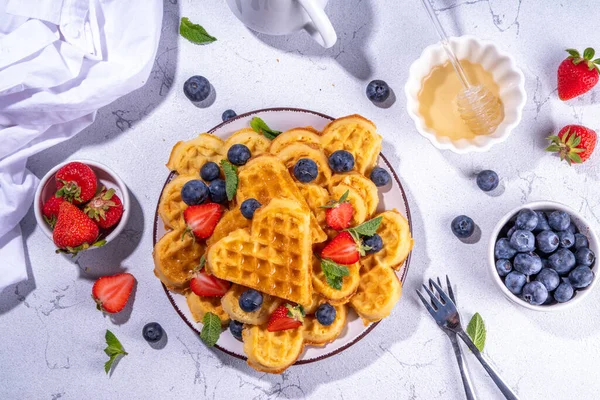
<point>60,61</point>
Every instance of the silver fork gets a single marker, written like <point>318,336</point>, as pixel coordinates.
<point>444,312</point>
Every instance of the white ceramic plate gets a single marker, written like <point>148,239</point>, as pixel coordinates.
<point>393,197</point>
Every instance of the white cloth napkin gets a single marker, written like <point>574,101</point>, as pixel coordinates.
<point>60,61</point>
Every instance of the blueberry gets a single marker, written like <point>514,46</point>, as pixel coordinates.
<point>564,292</point>
<point>562,261</point>
<point>503,249</point>
<point>380,176</point>
<point>235,327</point>
<point>581,277</point>
<point>528,263</point>
<point>503,266</point>
<point>549,278</point>
<point>228,114</point>
<point>306,170</point>
<point>581,241</point>
<point>325,314</point>
<point>547,241</point>
<point>542,224</point>
<point>378,91</point>
<point>545,263</point>
<point>522,240</point>
<point>341,161</point>
<point>218,194</point>
<point>515,281</point>
<point>526,220</point>
<point>194,192</point>
<point>374,242</point>
<point>152,332</point>
<point>487,180</point>
<point>535,293</point>
<point>559,220</point>
<point>210,171</point>
<point>463,227</point>
<point>248,207</point>
<point>197,88</point>
<point>572,228</point>
<point>510,232</point>
<point>566,238</point>
<point>585,256</point>
<point>238,154</point>
<point>250,300</point>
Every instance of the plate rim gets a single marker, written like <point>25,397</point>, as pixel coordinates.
<point>401,277</point>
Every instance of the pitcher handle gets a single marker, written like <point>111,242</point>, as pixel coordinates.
<point>320,29</point>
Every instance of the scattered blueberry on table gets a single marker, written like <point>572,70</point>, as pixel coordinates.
<point>197,88</point>
<point>227,115</point>
<point>152,332</point>
<point>463,226</point>
<point>487,180</point>
<point>378,91</point>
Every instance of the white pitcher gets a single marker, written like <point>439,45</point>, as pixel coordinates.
<point>282,17</point>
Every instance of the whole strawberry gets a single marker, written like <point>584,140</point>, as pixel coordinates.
<point>74,230</point>
<point>106,209</point>
<point>576,74</point>
<point>50,210</point>
<point>574,143</point>
<point>76,182</point>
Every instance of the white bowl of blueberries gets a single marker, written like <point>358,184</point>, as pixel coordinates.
<point>543,256</point>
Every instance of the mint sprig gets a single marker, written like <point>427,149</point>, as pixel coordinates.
<point>261,126</point>
<point>113,350</point>
<point>334,273</point>
<point>368,228</point>
<point>476,331</point>
<point>231,178</point>
<point>194,33</point>
<point>202,263</point>
<point>334,203</point>
<point>211,330</point>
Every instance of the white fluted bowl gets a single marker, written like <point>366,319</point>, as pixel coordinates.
<point>506,74</point>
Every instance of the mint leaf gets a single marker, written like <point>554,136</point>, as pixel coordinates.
<point>194,33</point>
<point>368,228</point>
<point>113,349</point>
<point>231,178</point>
<point>211,330</point>
<point>334,203</point>
<point>202,262</point>
<point>476,331</point>
<point>334,273</point>
<point>261,126</point>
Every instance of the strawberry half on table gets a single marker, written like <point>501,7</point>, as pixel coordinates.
<point>574,143</point>
<point>202,219</point>
<point>286,317</point>
<point>106,209</point>
<point>111,293</point>
<point>577,74</point>
<point>74,230</point>
<point>76,182</point>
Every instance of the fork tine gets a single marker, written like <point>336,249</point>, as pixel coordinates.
<point>426,304</point>
<point>434,300</point>
<point>443,294</point>
<point>450,290</point>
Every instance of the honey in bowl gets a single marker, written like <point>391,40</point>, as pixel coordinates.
<point>437,99</point>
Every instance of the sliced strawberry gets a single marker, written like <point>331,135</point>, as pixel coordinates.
<point>204,284</point>
<point>286,317</point>
<point>112,292</point>
<point>76,182</point>
<point>339,216</point>
<point>50,210</point>
<point>202,219</point>
<point>343,249</point>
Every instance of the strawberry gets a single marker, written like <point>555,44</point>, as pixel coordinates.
<point>105,208</point>
<point>576,74</point>
<point>339,213</point>
<point>204,284</point>
<point>343,249</point>
<point>574,143</point>
<point>202,219</point>
<point>74,230</point>
<point>112,292</point>
<point>286,317</point>
<point>76,182</point>
<point>50,210</point>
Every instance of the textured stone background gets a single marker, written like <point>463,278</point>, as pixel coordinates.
<point>52,336</point>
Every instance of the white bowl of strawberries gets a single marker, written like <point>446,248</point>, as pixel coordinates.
<point>81,205</point>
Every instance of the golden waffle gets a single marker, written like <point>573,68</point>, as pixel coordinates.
<point>229,222</point>
<point>356,135</point>
<point>361,213</point>
<point>175,259</point>
<point>256,142</point>
<point>231,305</point>
<point>315,196</point>
<point>306,135</point>
<point>397,241</point>
<point>293,152</point>
<point>170,206</point>
<point>200,305</point>
<point>188,157</point>
<point>319,335</point>
<point>334,296</point>
<point>272,352</point>
<point>378,291</point>
<point>264,178</point>
<point>314,303</point>
<point>274,258</point>
<point>364,186</point>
